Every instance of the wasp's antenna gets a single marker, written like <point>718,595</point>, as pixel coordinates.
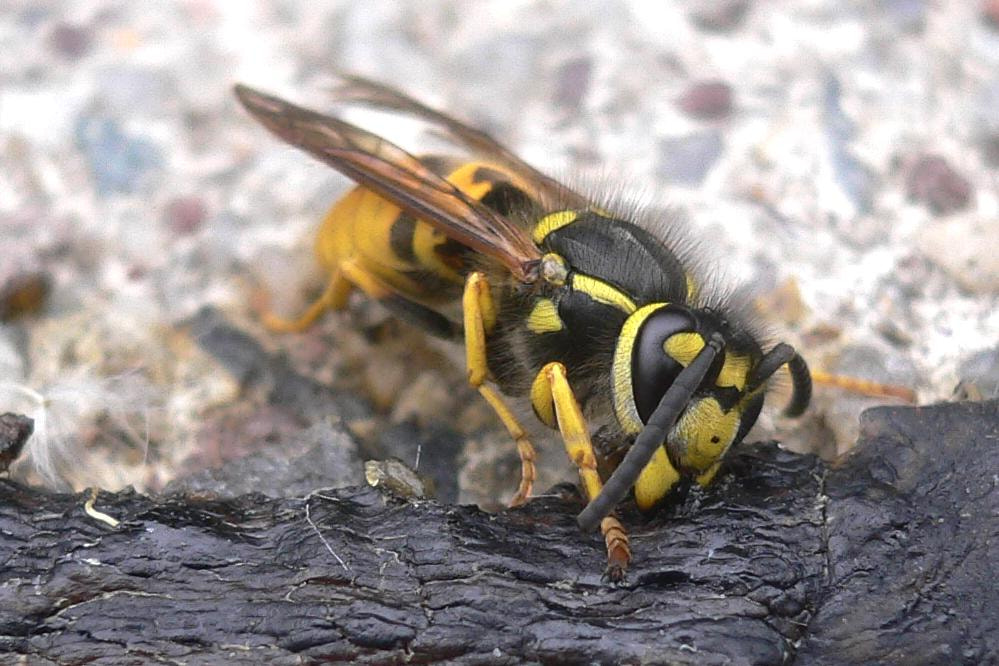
<point>652,435</point>
<point>801,379</point>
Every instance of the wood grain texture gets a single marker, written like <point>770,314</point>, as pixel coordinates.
<point>886,558</point>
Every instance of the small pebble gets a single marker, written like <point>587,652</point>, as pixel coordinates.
<point>979,374</point>
<point>990,150</point>
<point>23,293</point>
<point>966,250</point>
<point>707,100</point>
<point>822,333</point>
<point>933,181</point>
<point>71,41</point>
<point>396,477</point>
<point>435,454</point>
<point>117,160</point>
<point>894,334</point>
<point>907,15</point>
<point>185,215</point>
<point>686,160</point>
<point>990,13</point>
<point>719,15</point>
<point>573,82</point>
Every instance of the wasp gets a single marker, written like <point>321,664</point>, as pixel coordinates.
<point>597,318</point>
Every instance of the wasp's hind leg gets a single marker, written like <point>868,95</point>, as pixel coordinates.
<point>348,275</point>
<point>556,405</point>
<point>377,289</point>
<point>334,297</point>
<point>480,318</point>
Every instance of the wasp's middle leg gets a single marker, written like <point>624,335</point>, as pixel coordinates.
<point>347,275</point>
<point>334,297</point>
<point>480,319</point>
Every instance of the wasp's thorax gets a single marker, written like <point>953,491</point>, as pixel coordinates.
<point>614,290</point>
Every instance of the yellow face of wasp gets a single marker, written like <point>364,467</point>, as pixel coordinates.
<point>701,437</point>
<point>647,360</point>
<point>703,434</point>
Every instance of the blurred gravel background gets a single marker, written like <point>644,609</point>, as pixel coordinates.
<point>843,157</point>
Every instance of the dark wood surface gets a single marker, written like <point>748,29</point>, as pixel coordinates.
<point>887,558</point>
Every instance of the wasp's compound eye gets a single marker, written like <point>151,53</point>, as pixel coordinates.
<point>660,352</point>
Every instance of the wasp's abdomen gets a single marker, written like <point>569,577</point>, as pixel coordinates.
<point>418,262</point>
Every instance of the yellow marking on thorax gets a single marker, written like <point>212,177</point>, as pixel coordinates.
<point>544,317</point>
<point>552,222</point>
<point>602,292</point>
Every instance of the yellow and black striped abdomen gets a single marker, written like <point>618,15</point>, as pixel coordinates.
<point>418,262</point>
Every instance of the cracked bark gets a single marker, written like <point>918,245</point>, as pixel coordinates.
<point>887,558</point>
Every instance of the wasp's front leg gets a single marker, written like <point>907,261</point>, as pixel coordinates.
<point>556,405</point>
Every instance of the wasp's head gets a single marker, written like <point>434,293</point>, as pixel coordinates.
<point>657,343</point>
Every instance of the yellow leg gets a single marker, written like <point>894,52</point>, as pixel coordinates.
<point>864,386</point>
<point>479,319</point>
<point>372,286</point>
<point>334,297</point>
<point>524,447</point>
<point>555,403</point>
<point>349,274</point>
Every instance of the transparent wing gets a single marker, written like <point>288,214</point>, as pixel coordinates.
<point>549,191</point>
<point>390,171</point>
